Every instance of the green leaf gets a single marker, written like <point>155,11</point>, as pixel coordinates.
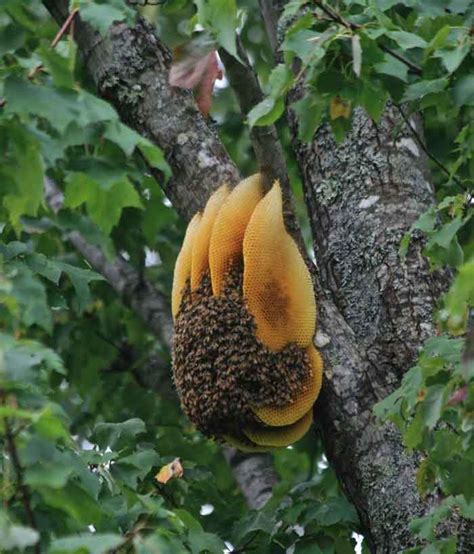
<point>306,44</point>
<point>97,543</point>
<point>420,89</point>
<point>40,264</point>
<point>117,435</point>
<point>335,510</point>
<point>50,426</point>
<point>280,81</point>
<point>200,541</point>
<point>406,40</point>
<point>102,16</point>
<point>425,526</point>
<point>155,157</point>
<point>445,347</point>
<point>425,477</point>
<point>447,232</point>
<point>54,474</point>
<point>157,215</point>
<point>136,466</point>
<point>253,521</point>
<point>446,447</point>
<point>128,140</point>
<point>266,112</point>
<point>58,107</point>
<point>58,65</point>
<point>463,92</point>
<point>75,501</point>
<point>393,67</point>
<point>123,136</point>
<point>426,222</point>
<point>446,546</point>
<point>105,200</point>
<point>453,58</point>
<point>466,508</point>
<point>31,295</point>
<point>432,405</point>
<point>310,111</point>
<point>455,482</point>
<point>12,37</point>
<point>27,195</point>
<point>356,55</point>
<point>80,279</point>
<point>414,434</point>
<point>439,40</point>
<point>220,17</point>
<point>373,101</point>
<point>22,359</point>
<point>460,297</point>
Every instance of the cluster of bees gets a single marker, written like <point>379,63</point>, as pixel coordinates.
<point>244,364</point>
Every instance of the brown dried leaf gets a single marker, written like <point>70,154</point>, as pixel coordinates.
<point>339,108</point>
<point>167,472</point>
<point>196,69</point>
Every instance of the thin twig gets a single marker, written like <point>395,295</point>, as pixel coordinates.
<point>415,68</point>
<point>423,146</point>
<point>336,17</point>
<point>21,486</point>
<point>64,27</point>
<point>242,549</point>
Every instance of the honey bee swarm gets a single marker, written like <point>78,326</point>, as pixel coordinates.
<point>220,368</point>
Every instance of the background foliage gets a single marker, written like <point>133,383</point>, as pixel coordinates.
<point>82,437</point>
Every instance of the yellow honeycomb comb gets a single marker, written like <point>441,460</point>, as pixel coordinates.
<point>280,436</point>
<point>229,228</point>
<point>182,268</point>
<point>244,446</point>
<point>277,284</point>
<point>200,250</point>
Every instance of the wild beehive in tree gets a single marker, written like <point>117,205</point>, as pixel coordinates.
<point>244,364</point>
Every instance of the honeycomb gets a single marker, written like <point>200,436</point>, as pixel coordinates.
<point>182,268</point>
<point>277,284</point>
<point>279,436</point>
<point>244,365</point>
<point>229,227</point>
<point>202,238</point>
<point>302,400</point>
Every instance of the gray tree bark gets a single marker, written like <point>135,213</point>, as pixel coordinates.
<point>362,196</point>
<point>375,309</point>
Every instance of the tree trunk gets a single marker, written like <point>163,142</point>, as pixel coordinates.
<point>362,196</point>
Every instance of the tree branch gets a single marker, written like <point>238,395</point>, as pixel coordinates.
<point>21,486</point>
<point>135,291</point>
<point>254,474</point>
<point>422,144</point>
<point>265,141</point>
